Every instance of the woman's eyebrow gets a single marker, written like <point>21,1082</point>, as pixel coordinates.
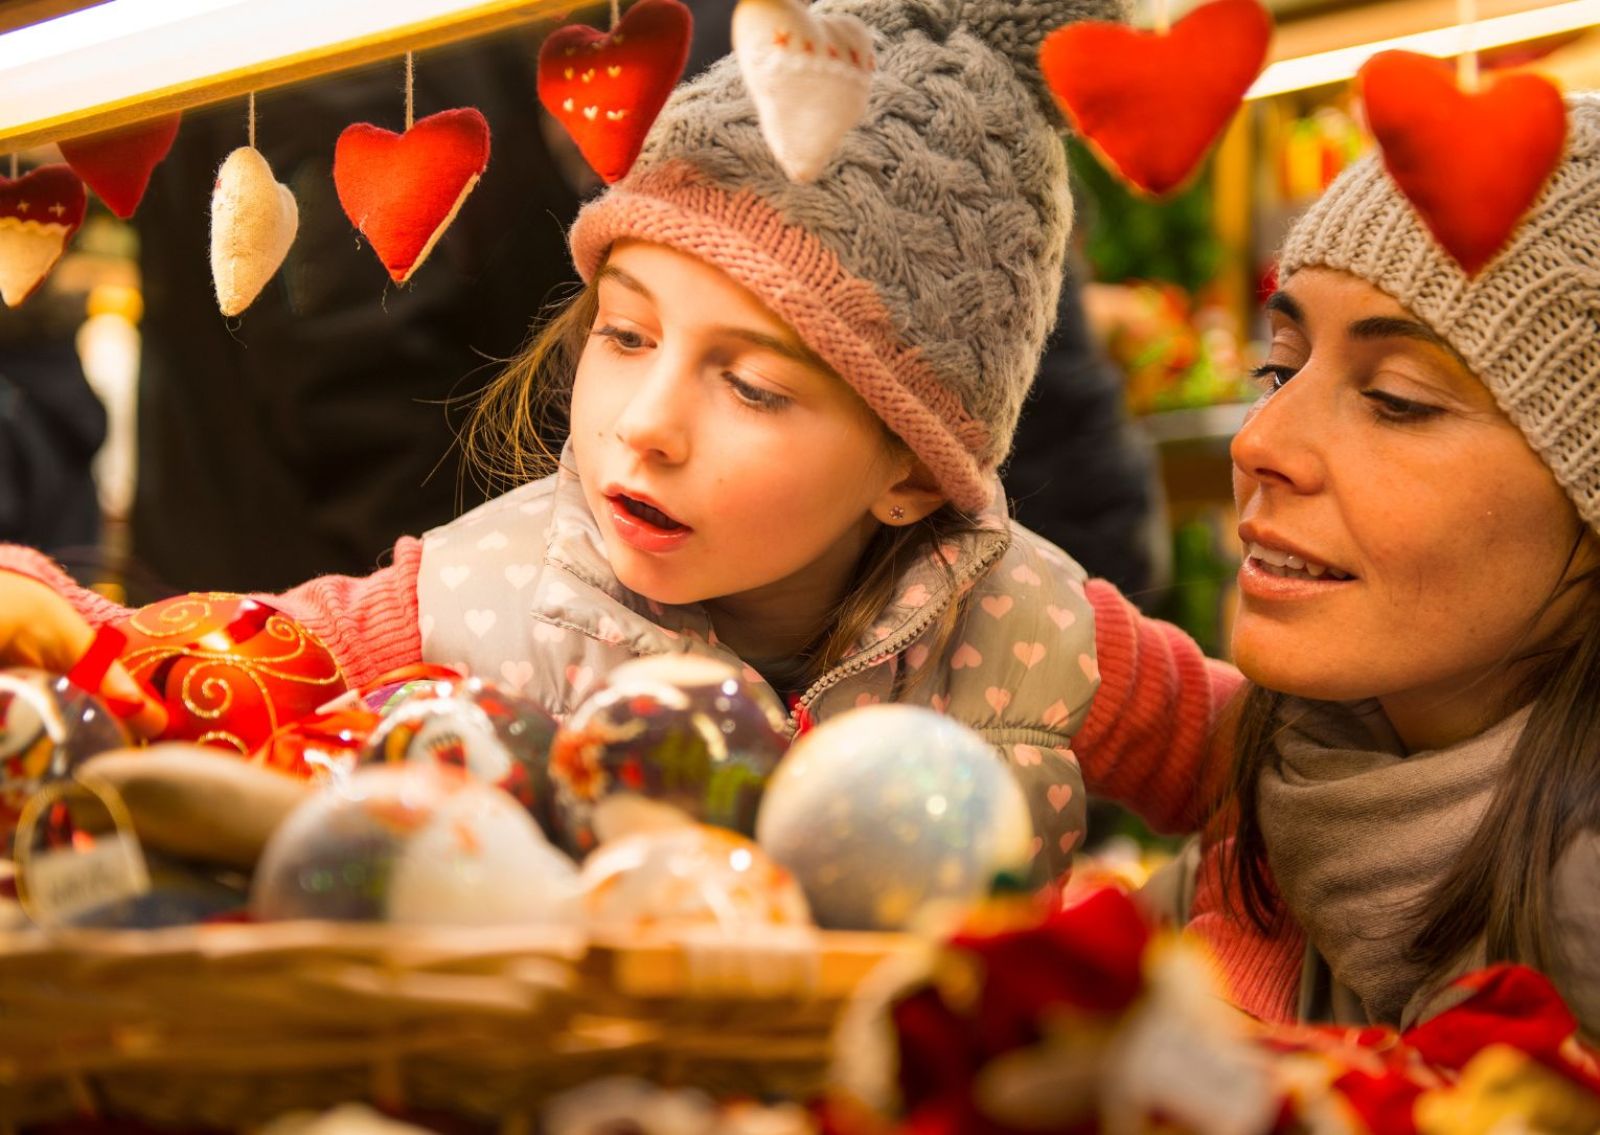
<point>1284,303</point>
<point>1398,327</point>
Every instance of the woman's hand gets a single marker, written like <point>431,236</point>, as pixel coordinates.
<point>40,628</point>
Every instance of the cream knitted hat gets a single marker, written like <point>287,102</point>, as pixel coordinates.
<point>924,263</point>
<point>1528,325</point>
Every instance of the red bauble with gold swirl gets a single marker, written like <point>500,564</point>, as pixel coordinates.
<point>230,669</point>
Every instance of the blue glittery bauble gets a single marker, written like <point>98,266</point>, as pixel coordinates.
<point>881,810</point>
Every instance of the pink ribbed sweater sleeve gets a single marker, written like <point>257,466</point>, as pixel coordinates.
<point>369,623</point>
<point>1152,740</point>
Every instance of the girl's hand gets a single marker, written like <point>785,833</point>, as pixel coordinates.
<point>40,628</point>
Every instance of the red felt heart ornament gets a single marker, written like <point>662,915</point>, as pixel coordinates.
<point>606,89</point>
<point>403,190</point>
<point>1152,104</point>
<point>117,164</point>
<point>39,212</point>
<point>1471,164</point>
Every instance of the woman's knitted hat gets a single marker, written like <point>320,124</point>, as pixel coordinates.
<point>924,263</point>
<point>1526,325</point>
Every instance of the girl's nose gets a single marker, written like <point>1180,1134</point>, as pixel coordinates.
<point>1278,443</point>
<point>655,421</point>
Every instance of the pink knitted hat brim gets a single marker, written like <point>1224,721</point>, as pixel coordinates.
<point>837,315</point>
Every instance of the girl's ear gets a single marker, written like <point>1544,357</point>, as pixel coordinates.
<point>909,499</point>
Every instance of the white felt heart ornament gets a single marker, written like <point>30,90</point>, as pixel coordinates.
<point>253,221</point>
<point>808,76</point>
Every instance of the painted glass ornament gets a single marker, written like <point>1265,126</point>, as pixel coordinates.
<point>48,727</point>
<point>415,844</point>
<point>681,734</point>
<point>694,875</point>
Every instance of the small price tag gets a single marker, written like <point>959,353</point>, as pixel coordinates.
<point>61,884</point>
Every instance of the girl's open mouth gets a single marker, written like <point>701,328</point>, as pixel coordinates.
<point>648,513</point>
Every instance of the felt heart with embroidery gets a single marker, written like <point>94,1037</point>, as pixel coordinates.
<point>1471,164</point>
<point>117,164</point>
<point>253,221</point>
<point>606,88</point>
<point>403,190</point>
<point>39,212</point>
<point>1152,104</point>
<point>808,76</point>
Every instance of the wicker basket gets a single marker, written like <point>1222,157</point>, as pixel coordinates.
<point>231,1025</point>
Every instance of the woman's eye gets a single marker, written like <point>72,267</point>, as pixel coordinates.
<point>620,339</point>
<point>1388,407</point>
<point>756,396</point>
<point>1272,376</point>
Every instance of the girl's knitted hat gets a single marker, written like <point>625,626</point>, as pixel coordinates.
<point>1526,325</point>
<point>924,264</point>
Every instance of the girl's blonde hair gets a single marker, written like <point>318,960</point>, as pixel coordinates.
<point>505,441</point>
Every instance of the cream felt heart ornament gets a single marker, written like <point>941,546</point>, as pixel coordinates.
<point>253,222</point>
<point>39,212</point>
<point>808,75</point>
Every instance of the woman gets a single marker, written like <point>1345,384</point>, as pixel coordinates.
<point>1415,778</point>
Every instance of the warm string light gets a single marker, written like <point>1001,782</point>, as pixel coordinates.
<point>410,87</point>
<point>1467,61</point>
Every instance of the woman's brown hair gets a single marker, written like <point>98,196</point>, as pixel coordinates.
<point>505,442</point>
<point>1499,888</point>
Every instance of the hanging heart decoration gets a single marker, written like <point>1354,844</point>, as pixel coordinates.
<point>39,212</point>
<point>1472,164</point>
<point>253,221</point>
<point>117,164</point>
<point>606,88</point>
<point>808,75</point>
<point>401,191</point>
<point>1151,104</point>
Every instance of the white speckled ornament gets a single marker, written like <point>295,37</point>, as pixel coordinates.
<point>884,810</point>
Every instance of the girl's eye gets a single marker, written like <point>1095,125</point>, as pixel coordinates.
<point>1388,407</point>
<point>755,396</point>
<point>619,339</point>
<point>1272,376</point>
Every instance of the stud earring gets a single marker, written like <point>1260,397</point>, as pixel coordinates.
<point>897,513</point>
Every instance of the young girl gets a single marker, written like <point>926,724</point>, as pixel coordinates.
<point>787,402</point>
<point>1416,786</point>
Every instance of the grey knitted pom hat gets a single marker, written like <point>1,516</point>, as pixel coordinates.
<point>1526,325</point>
<point>924,263</point>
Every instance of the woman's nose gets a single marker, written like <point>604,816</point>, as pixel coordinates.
<point>1278,443</point>
<point>655,421</point>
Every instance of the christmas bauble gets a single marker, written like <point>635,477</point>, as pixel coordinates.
<point>231,670</point>
<point>399,686</point>
<point>496,736</point>
<point>48,726</point>
<point>673,731</point>
<point>324,745</point>
<point>693,875</point>
<point>413,843</point>
<point>885,809</point>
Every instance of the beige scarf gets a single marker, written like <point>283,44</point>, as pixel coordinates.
<point>1358,832</point>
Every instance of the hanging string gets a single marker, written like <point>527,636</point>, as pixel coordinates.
<point>1163,17</point>
<point>410,83</point>
<point>616,13</point>
<point>252,120</point>
<point>13,167</point>
<point>1467,62</point>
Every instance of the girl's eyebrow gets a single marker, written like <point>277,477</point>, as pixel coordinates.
<point>798,352</point>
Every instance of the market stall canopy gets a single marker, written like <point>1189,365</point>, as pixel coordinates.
<point>87,68</point>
